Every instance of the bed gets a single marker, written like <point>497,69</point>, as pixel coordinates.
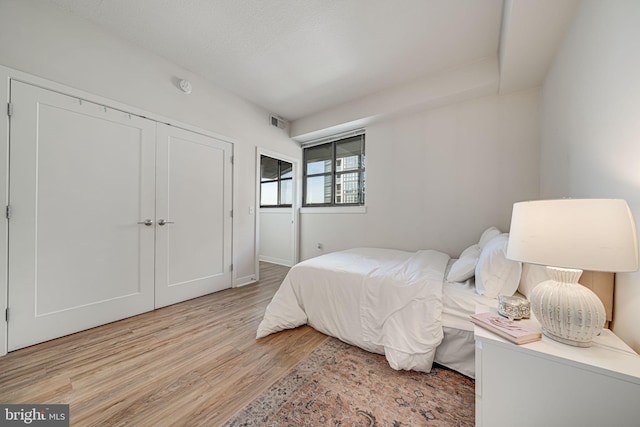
<point>412,307</point>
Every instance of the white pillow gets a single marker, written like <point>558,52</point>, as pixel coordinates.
<point>495,274</point>
<point>464,267</point>
<point>532,275</point>
<point>487,235</point>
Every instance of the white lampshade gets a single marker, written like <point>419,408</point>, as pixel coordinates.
<point>567,236</point>
<point>588,234</point>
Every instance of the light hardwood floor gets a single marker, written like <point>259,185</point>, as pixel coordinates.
<point>191,364</point>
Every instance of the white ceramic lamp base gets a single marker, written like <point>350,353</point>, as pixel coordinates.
<point>567,311</point>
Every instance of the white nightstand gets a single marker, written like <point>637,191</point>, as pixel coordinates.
<point>547,383</point>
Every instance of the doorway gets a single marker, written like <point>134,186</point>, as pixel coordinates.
<point>277,207</point>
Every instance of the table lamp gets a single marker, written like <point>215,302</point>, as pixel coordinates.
<point>568,236</point>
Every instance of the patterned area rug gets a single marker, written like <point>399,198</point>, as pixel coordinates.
<point>342,385</point>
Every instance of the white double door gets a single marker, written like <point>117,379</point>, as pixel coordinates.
<point>112,215</point>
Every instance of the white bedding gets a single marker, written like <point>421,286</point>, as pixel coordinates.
<point>457,350</point>
<point>459,302</point>
<point>382,300</point>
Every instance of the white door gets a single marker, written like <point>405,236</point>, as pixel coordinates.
<point>193,247</point>
<point>81,179</point>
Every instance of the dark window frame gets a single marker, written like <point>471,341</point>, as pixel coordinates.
<point>278,182</point>
<point>334,173</point>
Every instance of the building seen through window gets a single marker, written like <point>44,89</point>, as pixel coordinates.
<point>276,182</point>
<point>334,173</point>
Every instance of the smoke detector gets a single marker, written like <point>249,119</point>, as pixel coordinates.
<point>185,86</point>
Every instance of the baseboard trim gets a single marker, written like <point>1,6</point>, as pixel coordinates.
<point>279,261</point>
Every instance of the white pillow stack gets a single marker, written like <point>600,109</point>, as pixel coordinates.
<point>465,267</point>
<point>495,274</point>
<point>487,260</point>
<point>488,235</point>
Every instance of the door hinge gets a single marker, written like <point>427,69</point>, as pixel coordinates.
<point>8,212</point>
<point>6,314</point>
<point>231,267</point>
<point>9,109</point>
<point>231,213</point>
<point>231,159</point>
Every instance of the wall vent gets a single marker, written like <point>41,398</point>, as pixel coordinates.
<point>278,122</point>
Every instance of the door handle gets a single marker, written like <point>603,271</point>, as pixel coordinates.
<point>162,222</point>
<point>146,222</point>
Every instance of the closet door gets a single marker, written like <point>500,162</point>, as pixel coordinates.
<point>193,247</point>
<point>81,181</point>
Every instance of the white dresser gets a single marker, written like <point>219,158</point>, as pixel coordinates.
<point>547,383</point>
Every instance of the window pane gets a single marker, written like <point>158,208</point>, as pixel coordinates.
<point>268,168</point>
<point>318,190</point>
<point>348,188</point>
<point>286,170</point>
<point>334,172</point>
<point>286,192</point>
<point>269,193</point>
<point>348,154</point>
<point>318,159</point>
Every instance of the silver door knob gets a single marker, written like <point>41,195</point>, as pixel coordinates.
<point>162,222</point>
<point>146,222</point>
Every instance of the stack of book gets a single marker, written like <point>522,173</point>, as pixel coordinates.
<point>510,330</point>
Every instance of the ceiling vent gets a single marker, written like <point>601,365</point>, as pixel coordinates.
<point>278,122</point>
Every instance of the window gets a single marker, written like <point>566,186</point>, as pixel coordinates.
<point>276,183</point>
<point>334,173</point>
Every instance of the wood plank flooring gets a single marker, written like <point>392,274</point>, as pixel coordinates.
<point>190,364</point>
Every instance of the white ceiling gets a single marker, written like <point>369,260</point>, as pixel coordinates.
<point>299,57</point>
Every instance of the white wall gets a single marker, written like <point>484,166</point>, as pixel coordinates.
<point>437,178</point>
<point>591,125</point>
<point>37,38</point>
<point>276,234</point>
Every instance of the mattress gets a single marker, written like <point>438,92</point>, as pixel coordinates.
<point>459,300</point>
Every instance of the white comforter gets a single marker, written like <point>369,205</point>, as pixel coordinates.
<point>382,300</point>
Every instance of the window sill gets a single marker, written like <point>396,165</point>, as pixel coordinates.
<point>335,210</point>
